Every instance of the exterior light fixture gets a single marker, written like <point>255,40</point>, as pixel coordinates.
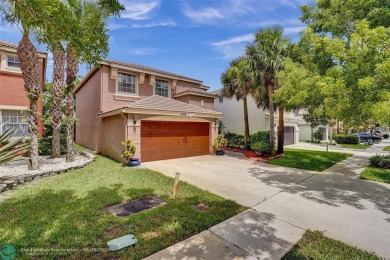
<point>135,119</point>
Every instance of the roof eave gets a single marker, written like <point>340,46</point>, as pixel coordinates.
<point>195,94</point>
<point>158,113</point>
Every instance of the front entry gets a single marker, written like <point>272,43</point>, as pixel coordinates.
<point>167,140</point>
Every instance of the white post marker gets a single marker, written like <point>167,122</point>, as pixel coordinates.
<point>176,185</point>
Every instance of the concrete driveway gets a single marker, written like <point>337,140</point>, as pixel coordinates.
<point>336,201</point>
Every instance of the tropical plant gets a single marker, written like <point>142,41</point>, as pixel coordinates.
<point>219,142</point>
<point>237,82</point>
<point>221,126</point>
<point>9,150</point>
<point>267,55</point>
<point>129,149</point>
<point>317,136</point>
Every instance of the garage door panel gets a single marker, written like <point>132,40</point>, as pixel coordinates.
<point>167,140</point>
<point>288,135</point>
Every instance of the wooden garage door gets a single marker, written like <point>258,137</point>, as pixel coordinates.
<point>167,140</point>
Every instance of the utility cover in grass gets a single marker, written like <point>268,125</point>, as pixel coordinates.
<point>135,206</point>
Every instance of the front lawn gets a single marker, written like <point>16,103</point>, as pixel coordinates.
<point>309,160</point>
<point>314,245</point>
<point>387,148</point>
<point>355,146</point>
<point>68,213</point>
<point>376,174</point>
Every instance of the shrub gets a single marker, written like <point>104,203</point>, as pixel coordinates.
<point>317,136</point>
<point>10,150</point>
<point>128,149</point>
<point>380,161</point>
<point>234,139</point>
<point>261,136</point>
<point>49,130</point>
<point>45,148</point>
<point>386,136</point>
<point>346,139</point>
<point>219,142</point>
<point>261,147</point>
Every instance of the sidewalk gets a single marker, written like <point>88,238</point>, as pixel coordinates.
<point>337,201</point>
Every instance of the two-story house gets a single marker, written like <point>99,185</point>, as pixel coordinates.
<point>13,97</point>
<point>167,115</point>
<point>295,129</point>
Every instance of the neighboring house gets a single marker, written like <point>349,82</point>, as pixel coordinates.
<point>295,129</point>
<point>14,102</point>
<point>167,115</point>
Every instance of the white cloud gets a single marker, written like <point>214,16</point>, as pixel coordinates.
<point>294,30</point>
<point>233,47</point>
<point>203,15</point>
<point>138,9</point>
<point>235,40</point>
<point>155,24</point>
<point>142,51</point>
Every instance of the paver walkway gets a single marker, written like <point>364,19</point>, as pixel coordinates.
<point>284,202</point>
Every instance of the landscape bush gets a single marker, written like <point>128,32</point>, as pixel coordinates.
<point>380,161</point>
<point>386,136</point>
<point>44,145</point>
<point>346,139</point>
<point>260,136</point>
<point>261,147</point>
<point>234,139</point>
<point>317,136</point>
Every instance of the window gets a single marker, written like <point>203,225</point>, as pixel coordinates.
<point>220,99</point>
<point>13,62</point>
<point>126,83</point>
<point>161,88</point>
<point>14,119</point>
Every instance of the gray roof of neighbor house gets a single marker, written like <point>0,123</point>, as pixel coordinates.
<point>142,67</point>
<point>159,103</point>
<point>217,92</point>
<point>14,46</point>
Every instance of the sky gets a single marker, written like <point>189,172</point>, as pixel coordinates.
<point>194,38</point>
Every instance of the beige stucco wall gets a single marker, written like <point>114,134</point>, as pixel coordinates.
<point>87,109</point>
<point>111,135</point>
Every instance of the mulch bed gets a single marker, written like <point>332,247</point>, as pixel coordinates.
<point>251,154</point>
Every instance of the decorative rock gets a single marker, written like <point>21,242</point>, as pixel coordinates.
<point>3,187</point>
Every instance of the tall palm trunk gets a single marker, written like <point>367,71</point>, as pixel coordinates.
<point>281,130</point>
<point>72,67</point>
<point>246,122</point>
<point>28,57</point>
<point>271,118</point>
<point>58,83</point>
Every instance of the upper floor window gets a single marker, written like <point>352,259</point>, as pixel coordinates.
<point>220,99</point>
<point>13,62</point>
<point>161,88</point>
<point>126,83</point>
<point>16,120</point>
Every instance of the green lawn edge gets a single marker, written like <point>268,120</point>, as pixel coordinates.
<point>387,148</point>
<point>308,159</point>
<point>313,245</point>
<point>68,211</point>
<point>376,174</point>
<point>355,146</point>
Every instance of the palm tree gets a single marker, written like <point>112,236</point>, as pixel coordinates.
<point>237,82</point>
<point>267,55</point>
<point>29,60</point>
<point>57,90</point>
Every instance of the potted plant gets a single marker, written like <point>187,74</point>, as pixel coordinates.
<point>261,148</point>
<point>128,153</point>
<point>219,142</point>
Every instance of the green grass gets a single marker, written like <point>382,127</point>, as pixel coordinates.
<point>355,146</point>
<point>387,148</point>
<point>376,174</point>
<point>313,245</point>
<point>309,160</point>
<point>69,212</point>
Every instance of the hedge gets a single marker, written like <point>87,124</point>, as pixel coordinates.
<point>260,136</point>
<point>44,145</point>
<point>346,139</point>
<point>380,161</point>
